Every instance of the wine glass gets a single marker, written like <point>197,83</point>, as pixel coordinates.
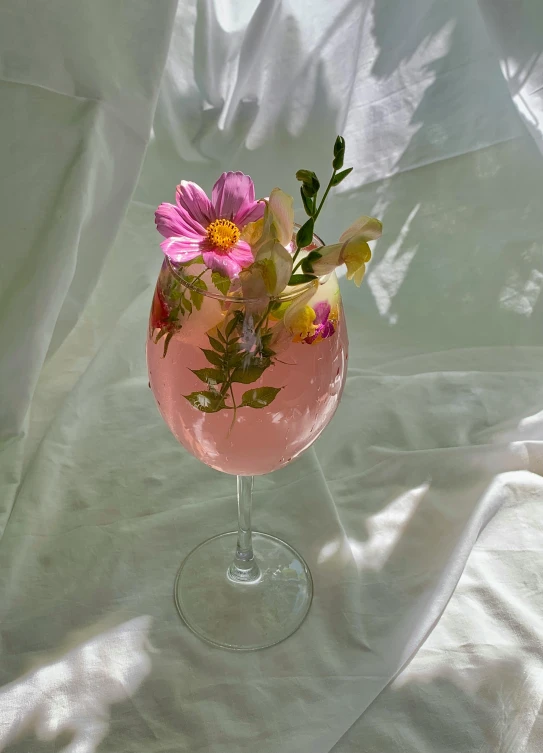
<point>246,391</point>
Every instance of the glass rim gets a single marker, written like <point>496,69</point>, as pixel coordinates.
<point>294,292</point>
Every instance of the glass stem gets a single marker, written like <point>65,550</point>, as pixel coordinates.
<point>244,568</point>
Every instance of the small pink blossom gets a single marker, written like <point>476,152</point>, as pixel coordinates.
<point>196,226</point>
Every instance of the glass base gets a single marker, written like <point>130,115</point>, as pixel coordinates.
<point>237,615</point>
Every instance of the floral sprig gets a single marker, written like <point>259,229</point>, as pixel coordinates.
<point>249,242</point>
<point>251,254</point>
<point>309,191</point>
<point>352,250</point>
<point>239,353</point>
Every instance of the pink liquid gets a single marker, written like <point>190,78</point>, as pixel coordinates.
<point>259,440</point>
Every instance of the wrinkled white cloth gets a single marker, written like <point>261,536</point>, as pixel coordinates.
<point>418,510</point>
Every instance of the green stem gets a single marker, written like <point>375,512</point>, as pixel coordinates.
<point>328,187</point>
<point>228,383</point>
<point>298,249</point>
<point>315,215</point>
<point>234,406</point>
<point>264,318</point>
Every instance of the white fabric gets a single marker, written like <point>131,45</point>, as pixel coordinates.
<point>419,508</point>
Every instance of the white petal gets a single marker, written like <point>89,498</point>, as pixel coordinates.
<point>282,261</point>
<point>367,228</point>
<point>281,207</point>
<point>331,258</point>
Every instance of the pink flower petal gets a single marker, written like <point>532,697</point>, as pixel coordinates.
<point>242,254</point>
<point>181,249</point>
<point>221,262</point>
<point>233,195</point>
<point>250,214</point>
<point>322,312</point>
<point>191,198</point>
<point>172,220</point>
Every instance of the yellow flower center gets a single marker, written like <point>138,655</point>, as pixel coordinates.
<point>223,234</point>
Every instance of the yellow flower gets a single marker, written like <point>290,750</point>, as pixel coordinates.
<point>297,316</point>
<point>355,254</point>
<point>301,323</point>
<point>352,250</point>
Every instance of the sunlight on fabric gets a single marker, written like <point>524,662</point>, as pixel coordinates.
<point>386,277</point>
<point>329,550</point>
<point>385,530</point>
<point>535,421</point>
<point>73,694</point>
<point>520,295</point>
<point>492,681</point>
<point>526,81</point>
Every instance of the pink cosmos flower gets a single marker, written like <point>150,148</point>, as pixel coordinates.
<point>197,226</point>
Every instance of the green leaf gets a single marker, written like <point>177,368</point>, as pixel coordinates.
<point>336,180</point>
<point>236,361</point>
<point>339,154</point>
<point>215,344</point>
<point>307,263</point>
<point>251,372</point>
<point>233,323</point>
<point>233,352</point>
<point>246,376</point>
<point>308,206</point>
<point>300,279</point>
<point>209,376</point>
<point>199,283</point>
<point>207,402</point>
<point>221,282</point>
<point>160,334</point>
<point>166,343</point>
<point>260,397</point>
<point>173,316</point>
<point>221,336</point>
<point>174,292</point>
<point>212,357</point>
<point>197,299</point>
<point>187,304</point>
<point>304,236</point>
